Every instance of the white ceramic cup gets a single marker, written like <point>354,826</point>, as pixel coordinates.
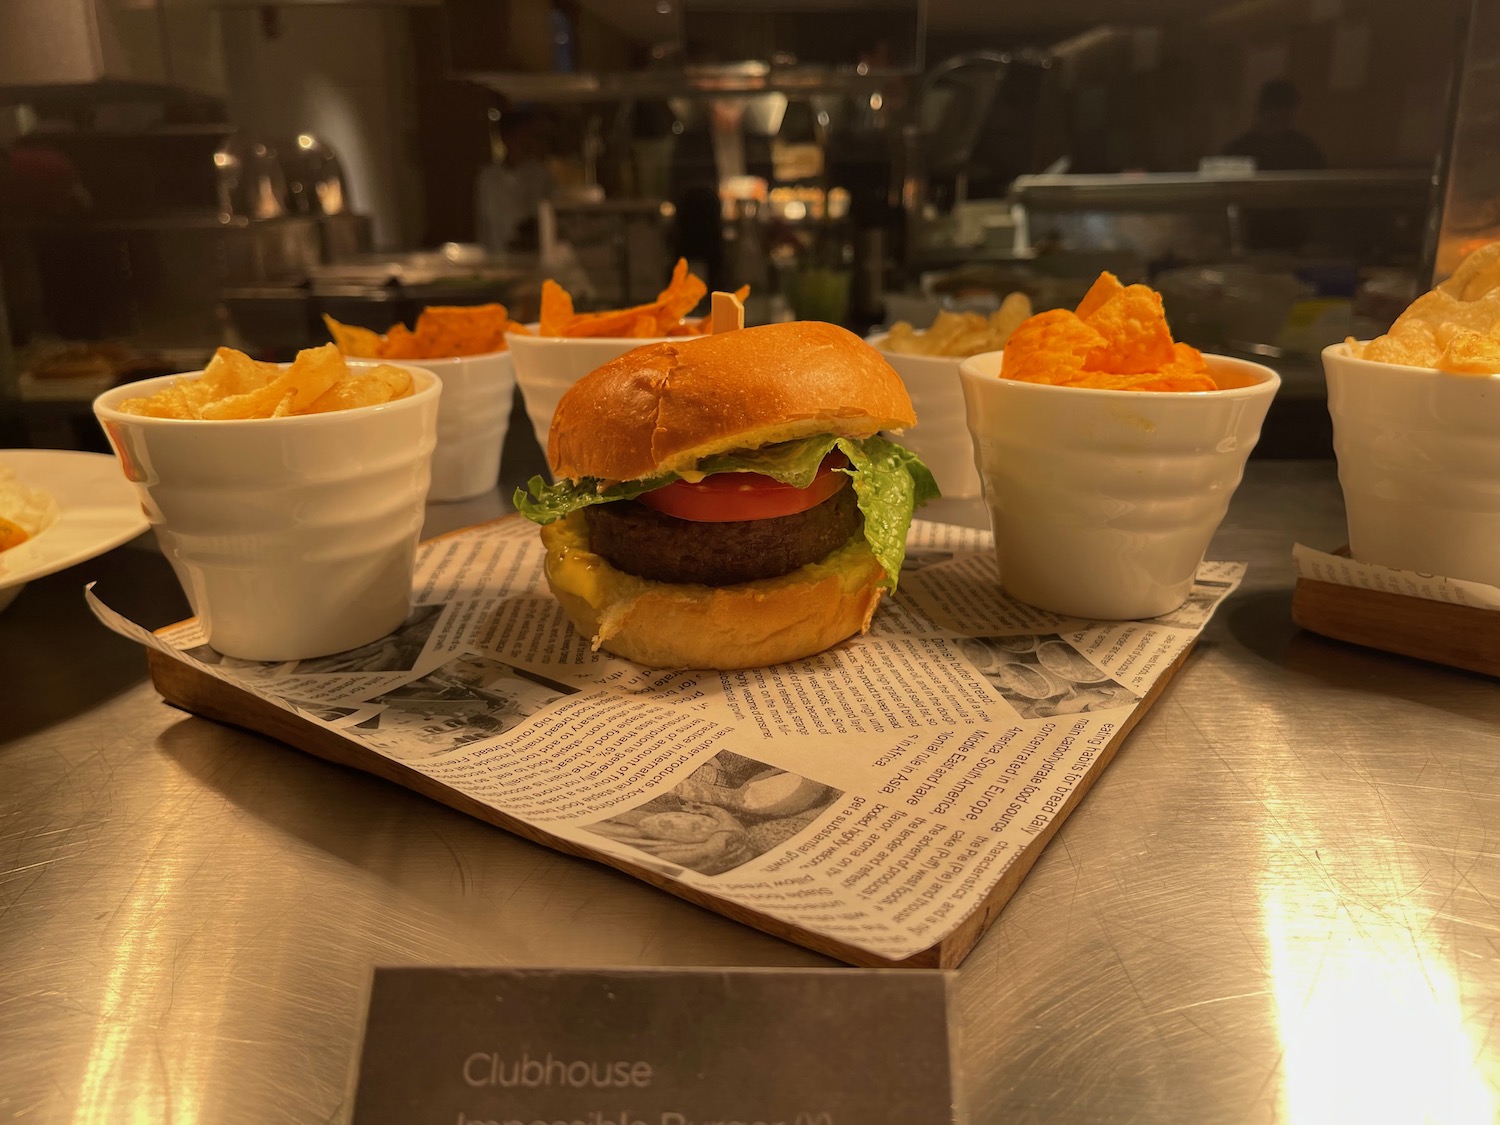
<point>292,537</point>
<point>941,435</point>
<point>1419,463</point>
<point>473,416</point>
<point>1103,502</point>
<point>546,366</point>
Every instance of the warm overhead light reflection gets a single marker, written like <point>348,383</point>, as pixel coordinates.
<point>304,141</point>
<point>1372,1024</point>
<point>140,971</point>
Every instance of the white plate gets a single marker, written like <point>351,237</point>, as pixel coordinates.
<point>97,510</point>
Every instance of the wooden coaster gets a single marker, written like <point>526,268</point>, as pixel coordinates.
<point>1456,635</point>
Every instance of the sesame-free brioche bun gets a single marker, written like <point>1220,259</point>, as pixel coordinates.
<point>750,625</point>
<point>664,407</point>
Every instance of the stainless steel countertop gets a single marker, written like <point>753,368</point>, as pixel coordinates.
<point>1279,903</point>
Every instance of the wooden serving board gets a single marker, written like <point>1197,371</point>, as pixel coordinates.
<point>188,687</point>
<point>1456,635</point>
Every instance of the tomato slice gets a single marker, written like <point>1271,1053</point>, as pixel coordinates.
<point>729,497</point>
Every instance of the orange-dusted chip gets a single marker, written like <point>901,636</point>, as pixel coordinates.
<point>1106,286</point>
<point>645,327</point>
<point>619,323</point>
<point>680,297</point>
<point>1050,347</point>
<point>1135,326</point>
<point>450,330</point>
<point>1173,379</point>
<point>400,343</point>
<point>557,309</point>
<point>442,331</point>
<point>1188,357</point>
<point>1118,340</point>
<point>664,315</point>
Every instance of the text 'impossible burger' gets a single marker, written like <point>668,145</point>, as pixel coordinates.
<point>727,502</point>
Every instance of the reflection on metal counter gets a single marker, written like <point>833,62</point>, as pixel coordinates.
<point>1305,933</point>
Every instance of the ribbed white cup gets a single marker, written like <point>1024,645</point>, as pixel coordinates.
<point>472,419</point>
<point>292,537</point>
<point>1103,502</point>
<point>1419,463</point>
<point>546,366</point>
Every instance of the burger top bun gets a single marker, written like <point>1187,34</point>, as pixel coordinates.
<point>664,407</point>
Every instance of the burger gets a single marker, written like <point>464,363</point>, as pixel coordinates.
<point>728,502</point>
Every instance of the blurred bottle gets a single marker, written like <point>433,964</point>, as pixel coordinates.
<point>818,286</point>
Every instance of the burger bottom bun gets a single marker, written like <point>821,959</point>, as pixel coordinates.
<point>749,625</point>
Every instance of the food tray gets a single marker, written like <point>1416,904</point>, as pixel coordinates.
<point>194,690</point>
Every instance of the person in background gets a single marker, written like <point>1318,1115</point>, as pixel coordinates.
<point>1272,141</point>
<point>508,190</point>
<point>1276,146</point>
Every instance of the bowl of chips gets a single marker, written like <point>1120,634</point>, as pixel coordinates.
<point>466,348</point>
<point>564,345</point>
<point>1108,453</point>
<point>288,498</point>
<point>1416,430</point>
<point>927,361</point>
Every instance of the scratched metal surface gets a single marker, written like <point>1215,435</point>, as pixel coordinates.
<point>1278,904</point>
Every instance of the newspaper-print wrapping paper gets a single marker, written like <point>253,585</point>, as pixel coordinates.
<point>874,793</point>
<point>1341,570</point>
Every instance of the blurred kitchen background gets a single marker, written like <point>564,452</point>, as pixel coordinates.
<point>180,174</point>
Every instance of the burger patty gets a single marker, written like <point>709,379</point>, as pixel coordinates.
<point>646,543</point>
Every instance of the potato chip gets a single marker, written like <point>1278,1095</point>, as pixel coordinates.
<point>1415,345</point>
<point>365,388</point>
<point>233,386</point>
<point>1117,340</point>
<point>1008,317</point>
<point>315,370</point>
<point>1471,353</point>
<point>1455,327</point>
<point>354,341</point>
<point>961,333</point>
<point>1476,275</point>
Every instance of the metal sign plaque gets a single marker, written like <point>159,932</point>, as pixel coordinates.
<point>655,1047</point>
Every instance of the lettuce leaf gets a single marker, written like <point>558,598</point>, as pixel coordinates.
<point>889,483</point>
